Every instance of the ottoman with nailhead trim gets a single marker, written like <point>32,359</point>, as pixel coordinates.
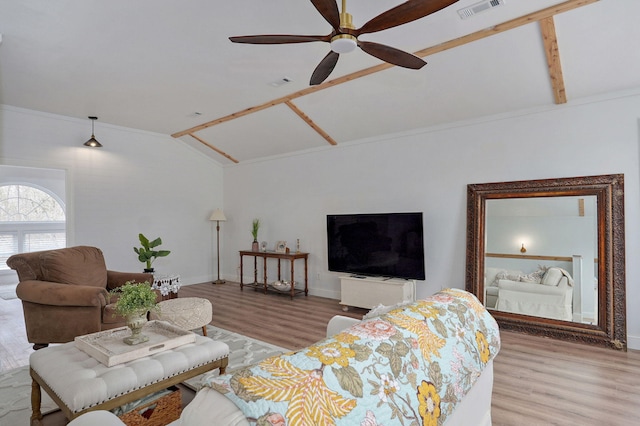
<point>78,383</point>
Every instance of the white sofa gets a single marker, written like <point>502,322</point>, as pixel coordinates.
<point>468,386</point>
<point>551,298</point>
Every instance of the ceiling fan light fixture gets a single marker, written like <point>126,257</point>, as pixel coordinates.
<point>93,142</point>
<point>343,43</point>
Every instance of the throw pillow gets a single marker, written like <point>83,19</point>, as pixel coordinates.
<point>552,277</point>
<point>79,265</point>
<point>533,277</point>
<point>507,276</point>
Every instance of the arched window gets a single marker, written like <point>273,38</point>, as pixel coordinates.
<point>30,220</point>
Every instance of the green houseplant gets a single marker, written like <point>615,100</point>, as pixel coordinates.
<point>135,300</point>
<point>147,253</point>
<point>255,226</point>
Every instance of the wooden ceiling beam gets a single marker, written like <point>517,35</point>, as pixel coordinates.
<point>550,40</point>
<point>219,151</point>
<point>460,41</point>
<point>310,122</point>
<point>505,26</point>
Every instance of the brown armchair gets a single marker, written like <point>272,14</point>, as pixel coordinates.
<point>65,293</point>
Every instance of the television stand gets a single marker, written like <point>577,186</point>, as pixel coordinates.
<point>368,292</point>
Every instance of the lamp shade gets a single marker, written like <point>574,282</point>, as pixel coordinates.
<point>93,142</point>
<point>217,215</point>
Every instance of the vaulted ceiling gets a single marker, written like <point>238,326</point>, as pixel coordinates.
<point>168,66</point>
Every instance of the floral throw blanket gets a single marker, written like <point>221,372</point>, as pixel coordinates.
<point>409,366</point>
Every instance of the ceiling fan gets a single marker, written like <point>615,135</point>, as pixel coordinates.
<point>344,37</point>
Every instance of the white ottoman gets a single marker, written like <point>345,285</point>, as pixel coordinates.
<point>79,383</point>
<point>187,313</point>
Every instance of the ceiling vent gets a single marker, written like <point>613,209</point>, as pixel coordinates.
<point>480,7</point>
<point>281,82</point>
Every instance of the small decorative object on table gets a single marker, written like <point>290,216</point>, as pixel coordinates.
<point>135,300</point>
<point>146,254</point>
<point>263,246</point>
<point>255,226</point>
<point>167,285</point>
<point>281,247</point>
<point>283,285</point>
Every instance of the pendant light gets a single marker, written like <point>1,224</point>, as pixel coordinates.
<point>93,142</point>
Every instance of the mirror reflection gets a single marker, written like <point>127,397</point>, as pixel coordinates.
<point>526,226</point>
<point>541,257</point>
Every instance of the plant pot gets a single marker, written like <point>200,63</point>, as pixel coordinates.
<point>136,323</point>
<point>148,270</point>
<point>255,246</point>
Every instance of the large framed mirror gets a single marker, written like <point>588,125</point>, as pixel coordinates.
<point>547,257</point>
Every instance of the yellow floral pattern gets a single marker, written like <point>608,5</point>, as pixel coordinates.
<point>409,366</point>
<point>310,402</point>
<point>429,401</point>
<point>332,353</point>
<point>483,346</point>
<point>429,343</point>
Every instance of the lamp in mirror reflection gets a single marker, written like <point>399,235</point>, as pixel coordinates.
<point>522,242</point>
<point>218,216</point>
<point>93,142</point>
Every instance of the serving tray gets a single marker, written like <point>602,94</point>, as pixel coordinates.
<point>108,348</point>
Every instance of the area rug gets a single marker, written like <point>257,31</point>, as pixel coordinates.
<point>8,291</point>
<point>15,385</point>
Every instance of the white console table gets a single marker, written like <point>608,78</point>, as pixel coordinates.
<point>368,292</point>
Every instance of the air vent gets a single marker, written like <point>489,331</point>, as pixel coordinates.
<point>281,82</point>
<point>480,7</point>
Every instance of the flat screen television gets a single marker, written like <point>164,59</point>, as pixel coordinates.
<point>377,244</point>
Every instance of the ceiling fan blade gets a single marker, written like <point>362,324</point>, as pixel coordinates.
<point>324,68</point>
<point>329,11</point>
<point>392,55</point>
<point>408,11</point>
<point>279,39</point>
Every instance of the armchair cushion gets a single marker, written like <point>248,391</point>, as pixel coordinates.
<point>55,294</point>
<point>80,265</point>
<point>117,279</point>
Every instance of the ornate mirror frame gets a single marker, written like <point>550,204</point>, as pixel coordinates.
<point>610,330</point>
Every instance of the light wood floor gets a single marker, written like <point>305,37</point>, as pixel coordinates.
<point>538,381</point>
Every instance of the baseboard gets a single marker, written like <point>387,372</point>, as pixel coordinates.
<point>633,342</point>
<point>323,292</point>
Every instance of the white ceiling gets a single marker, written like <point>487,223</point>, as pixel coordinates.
<point>150,64</point>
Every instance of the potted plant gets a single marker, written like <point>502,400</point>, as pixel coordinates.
<point>147,254</point>
<point>135,300</point>
<point>255,226</point>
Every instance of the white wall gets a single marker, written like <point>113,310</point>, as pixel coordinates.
<point>138,182</point>
<point>150,183</point>
<point>429,172</point>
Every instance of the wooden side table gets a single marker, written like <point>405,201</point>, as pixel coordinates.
<point>291,257</point>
